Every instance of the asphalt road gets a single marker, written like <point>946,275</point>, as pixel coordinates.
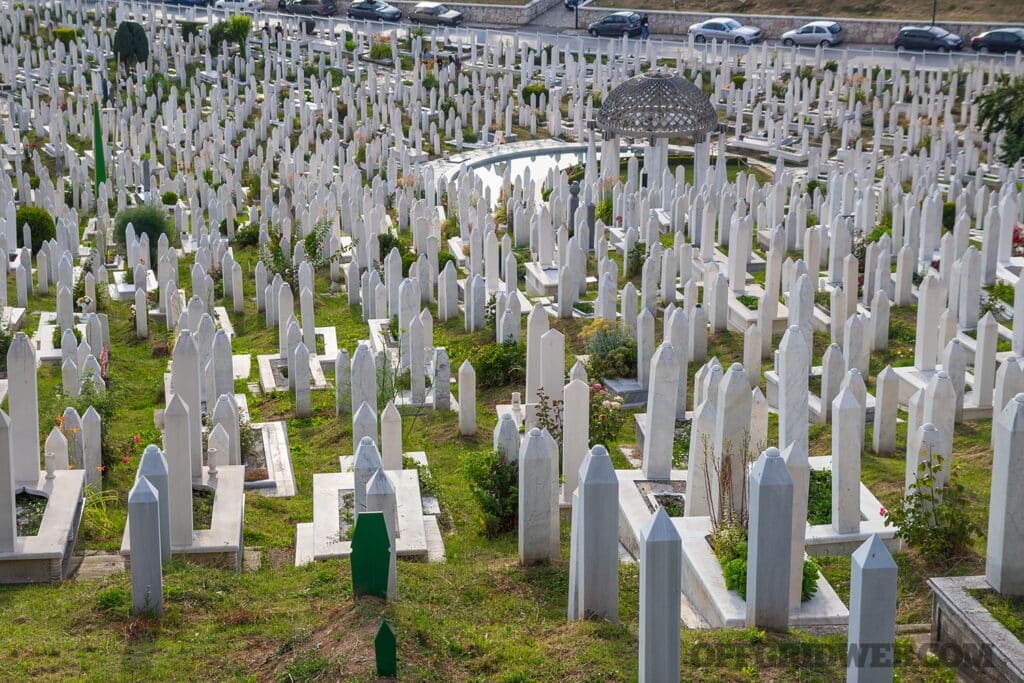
<point>657,46</point>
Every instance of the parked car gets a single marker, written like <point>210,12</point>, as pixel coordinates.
<point>1000,40</point>
<point>617,24</point>
<point>824,33</point>
<point>239,5</point>
<point>324,8</point>
<point>435,13</point>
<point>189,3</point>
<point>727,31</point>
<point>376,10</point>
<point>572,4</point>
<point>927,38</point>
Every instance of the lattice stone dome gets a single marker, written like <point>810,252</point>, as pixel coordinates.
<point>657,104</point>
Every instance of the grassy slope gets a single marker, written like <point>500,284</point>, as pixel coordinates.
<point>477,617</point>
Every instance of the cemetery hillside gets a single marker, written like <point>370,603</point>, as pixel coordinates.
<point>335,350</point>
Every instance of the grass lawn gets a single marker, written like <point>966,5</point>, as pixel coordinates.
<point>479,616</point>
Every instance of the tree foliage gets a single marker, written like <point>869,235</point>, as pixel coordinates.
<point>1002,110</point>
<point>131,44</point>
<point>235,29</point>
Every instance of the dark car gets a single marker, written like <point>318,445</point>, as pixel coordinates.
<point>324,8</point>
<point>435,13</point>
<point>927,38</point>
<point>617,24</point>
<point>1001,40</point>
<point>572,4</point>
<point>373,9</point>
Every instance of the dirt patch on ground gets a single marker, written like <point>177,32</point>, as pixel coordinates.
<point>343,646</point>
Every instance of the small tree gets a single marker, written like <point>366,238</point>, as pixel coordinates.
<point>1002,110</point>
<point>131,45</point>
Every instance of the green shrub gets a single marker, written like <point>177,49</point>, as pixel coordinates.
<point>603,210</point>
<point>233,30</point>
<point>831,65</point>
<point>734,571</point>
<point>430,82</point>
<point>738,80</point>
<point>145,218</point>
<point>248,235</point>
<point>948,215</point>
<point>380,50</point>
<point>936,521</point>
<point>190,29</point>
<point>5,343</point>
<point>499,365</point>
<point>443,257</point>
<point>169,198</point>
<point>819,497</point>
<point>40,224</point>
<point>65,35</point>
<point>494,485</point>
<point>534,89</point>
<point>611,351</point>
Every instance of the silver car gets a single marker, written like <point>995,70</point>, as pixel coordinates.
<point>726,31</point>
<point>824,33</point>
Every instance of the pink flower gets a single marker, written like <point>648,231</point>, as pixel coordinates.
<point>138,439</point>
<point>596,387</point>
<point>124,460</point>
<point>882,511</point>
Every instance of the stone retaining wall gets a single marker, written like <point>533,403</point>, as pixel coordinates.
<point>870,31</point>
<point>873,31</point>
<point>504,15</point>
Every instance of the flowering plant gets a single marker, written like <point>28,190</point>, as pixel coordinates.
<point>1018,240</point>
<point>606,415</point>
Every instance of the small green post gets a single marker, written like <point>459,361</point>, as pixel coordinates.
<point>387,653</point>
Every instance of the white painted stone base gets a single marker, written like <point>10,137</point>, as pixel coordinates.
<point>280,481</point>
<point>46,557</point>
<point>221,544</point>
<point>327,540</point>
<point>269,383</point>
<point>703,587</point>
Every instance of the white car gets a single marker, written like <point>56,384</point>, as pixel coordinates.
<point>240,5</point>
<point>725,30</point>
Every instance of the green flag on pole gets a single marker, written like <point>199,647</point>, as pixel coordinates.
<point>101,166</point>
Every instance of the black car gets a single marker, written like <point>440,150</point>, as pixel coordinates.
<point>617,24</point>
<point>1001,40</point>
<point>324,8</point>
<point>571,4</point>
<point>927,38</point>
<point>375,10</point>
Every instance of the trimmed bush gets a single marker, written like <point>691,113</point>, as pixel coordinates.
<point>534,89</point>
<point>148,219</point>
<point>169,198</point>
<point>40,224</point>
<point>131,45</point>
<point>65,35</point>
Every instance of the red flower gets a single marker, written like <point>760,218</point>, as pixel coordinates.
<point>124,460</point>
<point>597,386</point>
<point>138,439</point>
<point>882,511</point>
